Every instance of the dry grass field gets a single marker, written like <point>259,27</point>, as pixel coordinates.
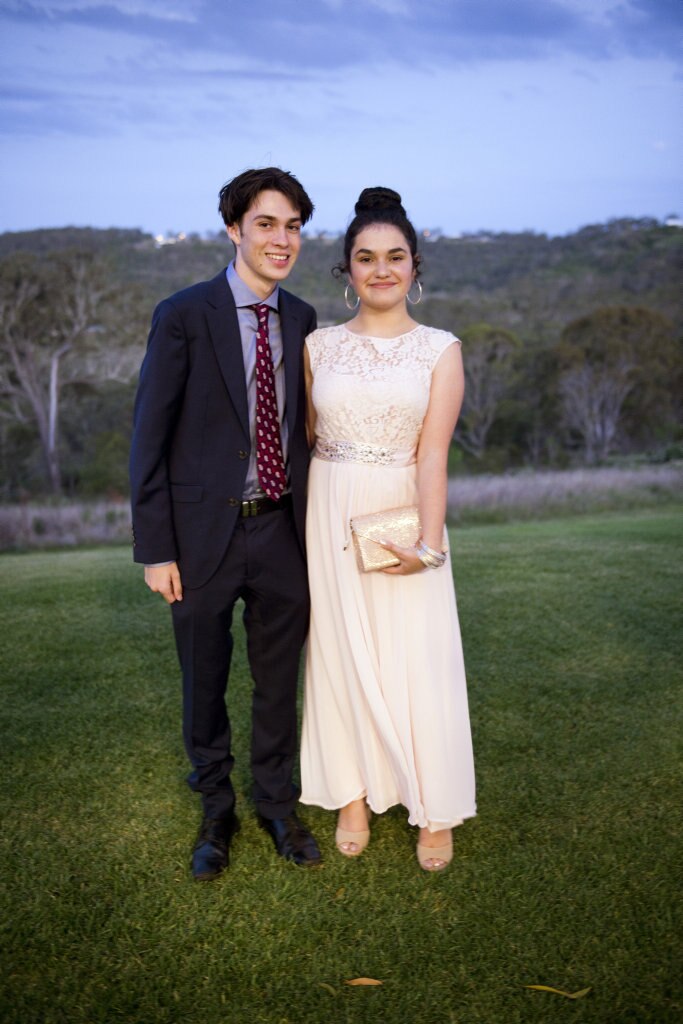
<point>471,500</point>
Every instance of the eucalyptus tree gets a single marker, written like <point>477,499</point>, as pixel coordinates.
<point>611,357</point>
<point>55,329</point>
<point>489,355</point>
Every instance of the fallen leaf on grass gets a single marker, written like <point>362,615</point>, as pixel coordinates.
<point>559,991</point>
<point>332,991</point>
<point>363,981</point>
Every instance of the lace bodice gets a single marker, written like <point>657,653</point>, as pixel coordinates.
<point>373,392</point>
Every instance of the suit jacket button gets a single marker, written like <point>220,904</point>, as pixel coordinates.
<point>243,454</point>
<point>233,501</point>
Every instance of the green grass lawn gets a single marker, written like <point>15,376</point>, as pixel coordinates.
<point>572,632</point>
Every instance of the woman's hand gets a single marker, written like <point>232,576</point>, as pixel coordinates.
<point>410,563</point>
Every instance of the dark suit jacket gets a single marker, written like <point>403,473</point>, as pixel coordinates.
<point>190,449</point>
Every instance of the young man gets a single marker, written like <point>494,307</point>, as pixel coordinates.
<point>219,502</point>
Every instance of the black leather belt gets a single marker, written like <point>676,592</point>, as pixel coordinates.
<point>258,506</point>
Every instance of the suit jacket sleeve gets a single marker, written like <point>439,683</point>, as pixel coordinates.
<point>159,397</point>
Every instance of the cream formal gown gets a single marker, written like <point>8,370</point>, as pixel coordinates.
<point>385,712</point>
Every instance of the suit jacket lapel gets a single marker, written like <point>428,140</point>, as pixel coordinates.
<point>292,343</point>
<point>225,337</point>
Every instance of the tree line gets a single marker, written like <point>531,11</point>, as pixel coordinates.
<point>572,345</point>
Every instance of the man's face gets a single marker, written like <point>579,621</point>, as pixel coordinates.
<point>267,241</point>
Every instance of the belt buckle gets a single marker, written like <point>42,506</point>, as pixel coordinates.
<point>250,507</point>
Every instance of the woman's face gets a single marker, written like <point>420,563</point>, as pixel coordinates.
<point>381,267</point>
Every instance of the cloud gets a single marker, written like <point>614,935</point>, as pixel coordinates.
<point>648,28</point>
<point>92,68</point>
<point>172,10</point>
<point>331,33</point>
<point>96,113</point>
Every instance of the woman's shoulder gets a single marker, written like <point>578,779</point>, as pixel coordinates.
<point>439,339</point>
<point>321,342</point>
<point>323,335</point>
<point>325,332</point>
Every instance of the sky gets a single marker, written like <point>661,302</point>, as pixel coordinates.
<point>500,115</point>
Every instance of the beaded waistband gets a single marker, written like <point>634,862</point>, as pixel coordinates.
<point>372,454</point>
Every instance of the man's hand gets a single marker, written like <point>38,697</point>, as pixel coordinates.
<point>165,580</point>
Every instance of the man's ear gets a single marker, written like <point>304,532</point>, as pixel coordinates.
<point>233,232</point>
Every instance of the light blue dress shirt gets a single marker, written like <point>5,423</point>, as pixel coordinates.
<point>244,299</point>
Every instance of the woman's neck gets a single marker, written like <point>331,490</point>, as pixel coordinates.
<point>387,324</point>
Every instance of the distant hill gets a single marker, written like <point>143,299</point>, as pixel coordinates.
<point>533,312</point>
<point>529,283</point>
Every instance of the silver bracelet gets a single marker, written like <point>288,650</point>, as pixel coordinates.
<point>439,555</point>
<point>430,559</point>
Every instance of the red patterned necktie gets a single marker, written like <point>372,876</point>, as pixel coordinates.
<point>269,461</point>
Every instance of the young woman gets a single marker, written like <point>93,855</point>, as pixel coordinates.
<point>386,718</point>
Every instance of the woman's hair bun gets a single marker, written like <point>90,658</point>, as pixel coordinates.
<point>379,198</point>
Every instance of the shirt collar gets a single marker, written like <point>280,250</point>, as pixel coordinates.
<point>244,296</point>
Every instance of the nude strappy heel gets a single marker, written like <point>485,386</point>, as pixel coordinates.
<point>443,853</point>
<point>359,839</point>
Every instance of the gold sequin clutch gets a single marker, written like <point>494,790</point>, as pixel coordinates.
<point>399,525</point>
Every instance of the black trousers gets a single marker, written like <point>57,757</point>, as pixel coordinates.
<point>264,566</point>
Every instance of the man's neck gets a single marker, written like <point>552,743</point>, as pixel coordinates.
<point>261,288</point>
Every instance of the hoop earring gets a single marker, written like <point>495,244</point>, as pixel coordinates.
<point>346,299</point>
<point>418,300</point>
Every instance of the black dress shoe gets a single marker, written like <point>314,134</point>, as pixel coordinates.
<point>211,851</point>
<point>292,840</point>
